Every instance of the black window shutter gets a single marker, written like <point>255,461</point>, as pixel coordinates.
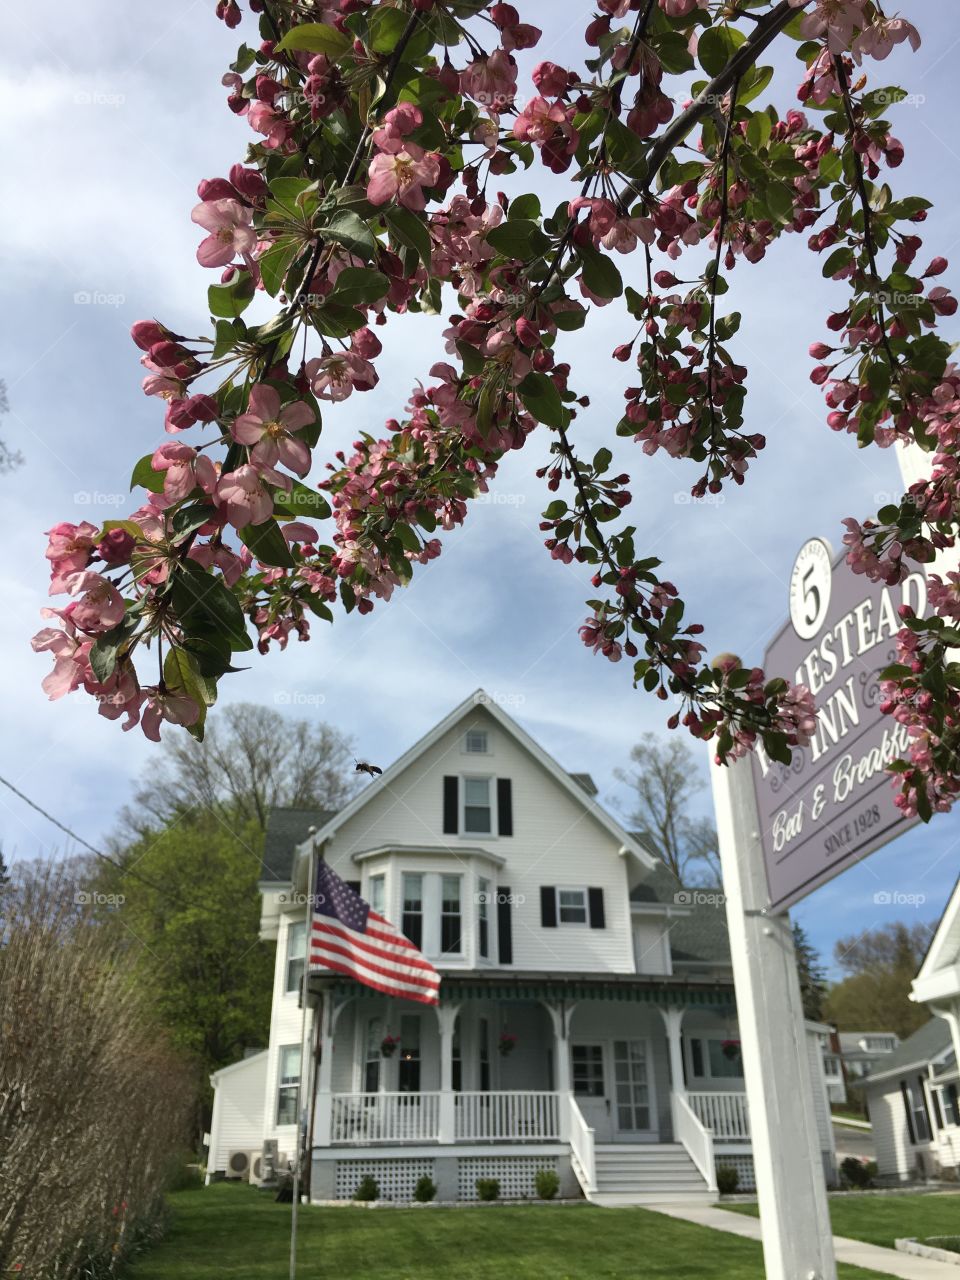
<point>504,926</point>
<point>595,898</point>
<point>450,806</point>
<point>548,906</point>
<point>353,884</point>
<point>906,1107</point>
<point>926,1108</point>
<point>504,807</point>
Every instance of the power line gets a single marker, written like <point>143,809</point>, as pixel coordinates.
<point>105,857</point>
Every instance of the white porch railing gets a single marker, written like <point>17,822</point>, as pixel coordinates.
<point>358,1118</point>
<point>696,1138</point>
<point>522,1114</point>
<point>724,1113</point>
<point>582,1148</point>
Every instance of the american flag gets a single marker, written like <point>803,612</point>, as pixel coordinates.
<point>348,936</point>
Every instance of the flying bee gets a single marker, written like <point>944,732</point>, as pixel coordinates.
<point>364,766</point>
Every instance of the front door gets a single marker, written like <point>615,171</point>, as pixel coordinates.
<point>632,1093</point>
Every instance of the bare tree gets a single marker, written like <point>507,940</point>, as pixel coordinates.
<point>665,779</point>
<point>251,759</point>
<point>9,458</point>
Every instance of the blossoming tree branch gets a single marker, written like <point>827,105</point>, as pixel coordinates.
<point>379,130</point>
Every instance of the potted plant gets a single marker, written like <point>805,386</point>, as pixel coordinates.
<point>730,1049</point>
<point>507,1043</point>
<point>389,1045</point>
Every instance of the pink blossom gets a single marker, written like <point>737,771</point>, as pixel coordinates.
<point>245,497</point>
<point>70,658</point>
<point>335,377</point>
<point>69,549</point>
<point>836,20</point>
<point>491,81</point>
<point>275,128</point>
<point>230,231</point>
<point>101,605</point>
<point>172,707</point>
<point>268,428</point>
<point>185,470</point>
<point>877,39</point>
<point>402,175</point>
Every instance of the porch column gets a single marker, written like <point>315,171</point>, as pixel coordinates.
<point>673,1018</point>
<point>447,1019</point>
<point>560,1017</point>
<point>324,1080</point>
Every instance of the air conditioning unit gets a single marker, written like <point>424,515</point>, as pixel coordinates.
<point>238,1164</point>
<point>268,1161</point>
<point>256,1178</point>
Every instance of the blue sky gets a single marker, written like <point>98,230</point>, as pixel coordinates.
<point>112,116</point>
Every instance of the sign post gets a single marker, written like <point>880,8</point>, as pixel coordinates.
<point>791,1187</point>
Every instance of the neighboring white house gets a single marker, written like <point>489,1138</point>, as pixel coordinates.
<point>913,1094</point>
<point>587,1021</point>
<point>864,1052</point>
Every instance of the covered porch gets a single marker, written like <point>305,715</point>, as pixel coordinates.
<point>539,1061</point>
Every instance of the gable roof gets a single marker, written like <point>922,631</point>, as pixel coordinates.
<point>927,1043</point>
<point>287,828</point>
<point>944,948</point>
<point>479,698</point>
<point>698,935</point>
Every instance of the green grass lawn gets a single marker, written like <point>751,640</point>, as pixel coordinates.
<point>235,1231</point>
<point>883,1219</point>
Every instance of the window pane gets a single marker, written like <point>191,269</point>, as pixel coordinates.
<point>572,906</point>
<point>451,893</point>
<point>587,1062</point>
<point>720,1065</point>
<point>412,892</point>
<point>377,897</point>
<point>297,941</point>
<point>476,790</point>
<point>696,1054</point>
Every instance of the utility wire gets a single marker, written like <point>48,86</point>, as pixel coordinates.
<point>105,857</point>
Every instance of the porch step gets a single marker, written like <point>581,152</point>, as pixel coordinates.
<point>646,1174</point>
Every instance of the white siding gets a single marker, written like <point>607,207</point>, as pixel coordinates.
<point>651,946</point>
<point>891,1138</point>
<point>556,841</point>
<point>285,1029</point>
<point>821,1102</point>
<point>237,1123</point>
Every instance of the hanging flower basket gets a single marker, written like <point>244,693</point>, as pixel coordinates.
<point>730,1049</point>
<point>508,1042</point>
<point>389,1045</point>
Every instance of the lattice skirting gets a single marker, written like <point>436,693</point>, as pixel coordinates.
<point>514,1173</point>
<point>744,1166</point>
<point>395,1178</point>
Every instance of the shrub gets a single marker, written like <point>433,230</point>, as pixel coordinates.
<point>184,1175</point>
<point>425,1190</point>
<point>369,1189</point>
<point>488,1188</point>
<point>95,1106</point>
<point>547,1183</point>
<point>857,1173</point>
<point>728,1179</point>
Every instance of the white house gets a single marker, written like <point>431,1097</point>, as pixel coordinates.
<point>586,1023</point>
<point>912,1095</point>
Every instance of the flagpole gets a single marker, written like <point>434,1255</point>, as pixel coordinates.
<point>305,1073</point>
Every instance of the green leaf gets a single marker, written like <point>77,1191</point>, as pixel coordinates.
<point>145,476</point>
<point>336,321</point>
<point>753,84</point>
<point>181,674</point>
<point>599,273</point>
<point>268,544</point>
<point>203,603</point>
<point>601,460</point>
<point>542,399</point>
<point>525,206</point>
<point>518,238</point>
<point>410,231</point>
<point>275,263</point>
<point>230,300</point>
<point>359,286</point>
<point>716,47</point>
<point>409,539</point>
<point>105,649</point>
<point>316,37</point>
<point>349,230</point>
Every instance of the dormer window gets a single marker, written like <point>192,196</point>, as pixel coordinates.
<point>476,742</point>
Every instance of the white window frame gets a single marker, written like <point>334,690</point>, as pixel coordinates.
<point>453,875</point>
<point>465,746</point>
<point>286,1083</point>
<point>573,924</point>
<point>377,879</point>
<point>604,1047</point>
<point>705,1037</point>
<point>288,988</point>
<point>491,782</point>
